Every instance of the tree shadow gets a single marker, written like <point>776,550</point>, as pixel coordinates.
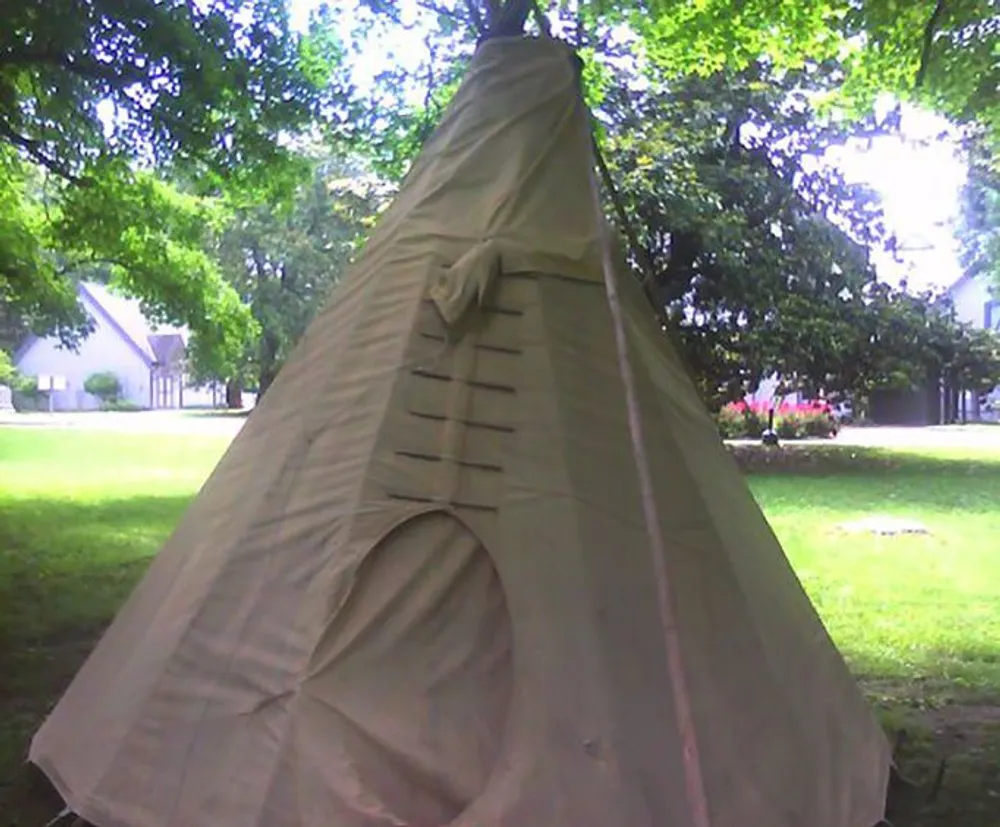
<point>65,569</point>
<point>851,460</point>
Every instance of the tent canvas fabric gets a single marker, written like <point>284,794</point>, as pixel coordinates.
<point>417,590</point>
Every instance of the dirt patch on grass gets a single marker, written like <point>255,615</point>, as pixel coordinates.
<point>949,757</point>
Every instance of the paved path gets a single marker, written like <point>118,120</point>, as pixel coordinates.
<point>207,423</point>
<point>223,423</point>
<point>939,436</point>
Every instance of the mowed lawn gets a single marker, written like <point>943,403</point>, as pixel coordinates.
<point>918,617</point>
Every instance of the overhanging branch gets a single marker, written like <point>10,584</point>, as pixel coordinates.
<point>35,151</point>
<point>507,18</point>
<point>475,16</point>
<point>928,43</point>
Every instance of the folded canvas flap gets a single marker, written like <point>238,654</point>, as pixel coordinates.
<point>467,280</point>
<point>470,278</point>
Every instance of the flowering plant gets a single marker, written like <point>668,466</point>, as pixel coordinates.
<point>792,420</point>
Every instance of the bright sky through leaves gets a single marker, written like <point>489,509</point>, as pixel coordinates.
<point>917,175</point>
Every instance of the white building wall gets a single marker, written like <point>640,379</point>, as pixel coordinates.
<point>970,299</point>
<point>103,350</point>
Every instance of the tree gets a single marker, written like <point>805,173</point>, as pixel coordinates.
<point>7,370</point>
<point>978,227</point>
<point>934,52</point>
<point>756,251</point>
<point>143,233</point>
<point>759,257</point>
<point>206,88</point>
<point>283,263</point>
<point>103,105</point>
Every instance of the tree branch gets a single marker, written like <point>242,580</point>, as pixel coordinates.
<point>541,19</point>
<point>929,31</point>
<point>81,66</point>
<point>451,14</point>
<point>475,16</point>
<point>37,154</point>
<point>508,18</point>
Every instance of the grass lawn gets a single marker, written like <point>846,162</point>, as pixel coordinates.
<point>918,617</point>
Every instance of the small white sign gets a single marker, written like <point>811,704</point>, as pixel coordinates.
<point>51,383</point>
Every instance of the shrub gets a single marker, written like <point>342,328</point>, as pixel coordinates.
<point>748,420</point>
<point>120,405</point>
<point>105,386</point>
<point>755,420</point>
<point>8,373</point>
<point>732,423</point>
<point>789,425</point>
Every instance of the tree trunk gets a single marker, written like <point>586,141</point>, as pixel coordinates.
<point>234,394</point>
<point>264,381</point>
<point>509,20</point>
<point>268,362</point>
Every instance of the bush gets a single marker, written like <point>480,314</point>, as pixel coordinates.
<point>120,405</point>
<point>105,386</point>
<point>8,373</point>
<point>732,424</point>
<point>748,420</point>
<point>789,426</point>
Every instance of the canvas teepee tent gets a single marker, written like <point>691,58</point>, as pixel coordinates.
<point>479,558</point>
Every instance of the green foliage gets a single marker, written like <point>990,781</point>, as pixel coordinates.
<point>155,239</point>
<point>942,54</point>
<point>120,406</point>
<point>105,386</point>
<point>937,53</point>
<point>26,385</point>
<point>7,370</point>
<point>102,106</point>
<point>282,265</point>
<point>143,234</point>
<point>206,88</point>
<point>808,420</point>
<point>732,226</point>
<point>34,294</point>
<point>978,227</point>
<point>731,423</point>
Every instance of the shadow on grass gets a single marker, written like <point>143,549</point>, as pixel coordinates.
<point>809,479</point>
<point>217,413</point>
<point>66,565</point>
<point>65,569</point>
<point>852,460</point>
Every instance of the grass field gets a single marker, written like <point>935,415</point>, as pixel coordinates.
<point>918,617</point>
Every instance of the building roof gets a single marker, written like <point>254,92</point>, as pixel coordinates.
<point>959,283</point>
<point>124,313</point>
<point>154,342</point>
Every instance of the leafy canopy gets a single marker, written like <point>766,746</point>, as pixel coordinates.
<point>711,111</point>
<point>941,53</point>
<point>283,264</point>
<point>117,118</point>
<point>978,227</point>
<point>206,87</point>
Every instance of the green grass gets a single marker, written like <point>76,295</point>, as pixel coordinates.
<point>919,608</point>
<point>81,513</point>
<point>918,618</point>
